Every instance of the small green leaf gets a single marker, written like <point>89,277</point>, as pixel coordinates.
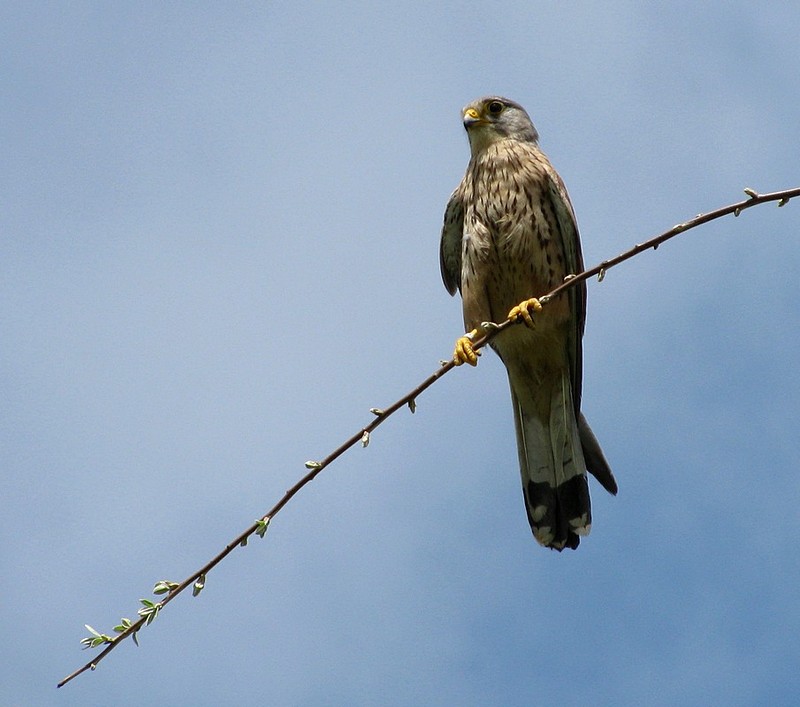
<point>199,585</point>
<point>313,465</point>
<point>91,642</point>
<point>124,625</point>
<point>149,612</point>
<point>263,524</point>
<point>96,639</point>
<point>164,586</point>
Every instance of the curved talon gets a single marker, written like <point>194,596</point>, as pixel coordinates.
<point>523,311</point>
<point>464,352</point>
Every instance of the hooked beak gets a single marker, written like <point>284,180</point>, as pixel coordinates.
<point>473,118</point>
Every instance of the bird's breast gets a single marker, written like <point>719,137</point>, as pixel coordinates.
<point>511,247</point>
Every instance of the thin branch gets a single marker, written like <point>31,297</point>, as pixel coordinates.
<point>197,580</point>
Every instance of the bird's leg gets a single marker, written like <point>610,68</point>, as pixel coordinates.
<point>465,353</point>
<point>523,311</point>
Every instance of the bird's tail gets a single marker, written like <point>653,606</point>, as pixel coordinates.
<point>552,458</point>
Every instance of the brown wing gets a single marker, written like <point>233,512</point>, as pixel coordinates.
<point>450,245</point>
<point>596,461</point>
<point>573,264</point>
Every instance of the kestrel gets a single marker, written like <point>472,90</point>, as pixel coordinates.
<point>510,235</point>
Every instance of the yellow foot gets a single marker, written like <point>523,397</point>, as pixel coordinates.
<point>464,352</point>
<point>523,311</point>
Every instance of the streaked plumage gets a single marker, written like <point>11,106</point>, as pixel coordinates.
<point>509,234</point>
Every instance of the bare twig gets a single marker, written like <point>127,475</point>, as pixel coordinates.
<point>197,580</point>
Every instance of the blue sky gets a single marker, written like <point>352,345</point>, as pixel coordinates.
<point>219,248</point>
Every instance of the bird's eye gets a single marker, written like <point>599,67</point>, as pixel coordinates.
<point>495,107</point>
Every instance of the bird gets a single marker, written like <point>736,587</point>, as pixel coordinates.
<point>510,236</point>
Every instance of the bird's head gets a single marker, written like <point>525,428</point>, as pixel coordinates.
<point>494,118</point>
